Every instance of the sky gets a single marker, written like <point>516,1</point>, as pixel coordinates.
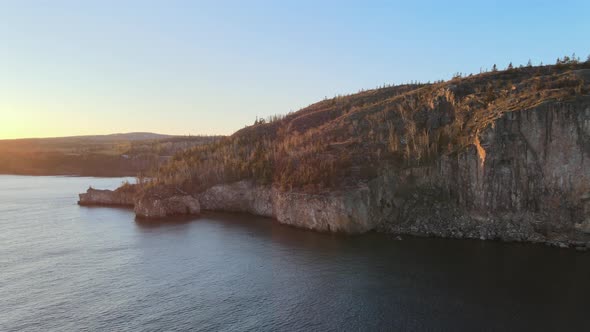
<point>211,67</point>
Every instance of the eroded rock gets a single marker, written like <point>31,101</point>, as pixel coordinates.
<point>160,207</point>
<point>122,196</point>
<point>165,201</point>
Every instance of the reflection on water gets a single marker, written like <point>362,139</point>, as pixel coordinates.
<point>65,267</point>
<point>164,223</point>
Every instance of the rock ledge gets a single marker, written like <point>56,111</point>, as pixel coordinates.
<point>152,204</point>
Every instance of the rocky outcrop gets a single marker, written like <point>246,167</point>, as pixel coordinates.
<point>160,205</point>
<point>243,196</point>
<point>151,203</point>
<point>121,196</point>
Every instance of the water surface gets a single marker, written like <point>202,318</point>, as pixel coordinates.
<point>69,268</point>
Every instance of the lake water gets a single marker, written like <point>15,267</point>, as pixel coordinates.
<point>68,268</point>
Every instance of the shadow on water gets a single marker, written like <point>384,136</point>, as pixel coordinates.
<point>110,207</point>
<point>269,229</point>
<point>146,223</point>
<point>496,282</point>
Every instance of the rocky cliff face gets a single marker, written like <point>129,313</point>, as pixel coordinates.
<point>243,196</point>
<point>525,177</point>
<point>335,211</point>
<point>159,203</point>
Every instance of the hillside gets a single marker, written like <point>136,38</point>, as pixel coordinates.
<point>499,155</point>
<point>347,140</point>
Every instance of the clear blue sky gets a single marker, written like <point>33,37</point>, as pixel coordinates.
<point>206,67</point>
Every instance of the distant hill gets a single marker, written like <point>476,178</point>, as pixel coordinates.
<point>136,136</point>
<point>121,154</point>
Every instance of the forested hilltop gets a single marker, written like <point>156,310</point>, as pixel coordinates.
<point>347,140</point>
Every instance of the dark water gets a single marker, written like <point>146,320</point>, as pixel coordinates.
<point>69,268</point>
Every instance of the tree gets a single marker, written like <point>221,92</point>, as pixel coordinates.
<point>588,59</point>
<point>529,64</point>
<point>575,59</point>
<point>510,66</point>
<point>495,68</point>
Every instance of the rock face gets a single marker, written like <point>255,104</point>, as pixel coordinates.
<point>342,211</point>
<point>159,207</point>
<point>334,211</point>
<point>107,197</point>
<point>526,177</point>
<point>241,196</point>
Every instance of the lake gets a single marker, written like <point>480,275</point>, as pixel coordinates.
<point>69,268</point>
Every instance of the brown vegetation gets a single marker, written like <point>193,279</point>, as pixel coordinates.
<point>346,140</point>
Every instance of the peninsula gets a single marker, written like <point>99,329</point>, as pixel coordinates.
<point>499,155</point>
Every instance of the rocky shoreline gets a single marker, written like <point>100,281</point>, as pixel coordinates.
<point>150,204</point>
<point>350,212</point>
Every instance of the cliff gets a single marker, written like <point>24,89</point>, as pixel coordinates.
<point>335,211</point>
<point>500,155</point>
<point>526,177</point>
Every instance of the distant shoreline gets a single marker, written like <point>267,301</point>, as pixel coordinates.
<point>70,175</point>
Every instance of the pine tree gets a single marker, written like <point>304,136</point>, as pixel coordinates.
<point>495,68</point>
<point>529,64</point>
<point>575,59</point>
<point>510,66</point>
